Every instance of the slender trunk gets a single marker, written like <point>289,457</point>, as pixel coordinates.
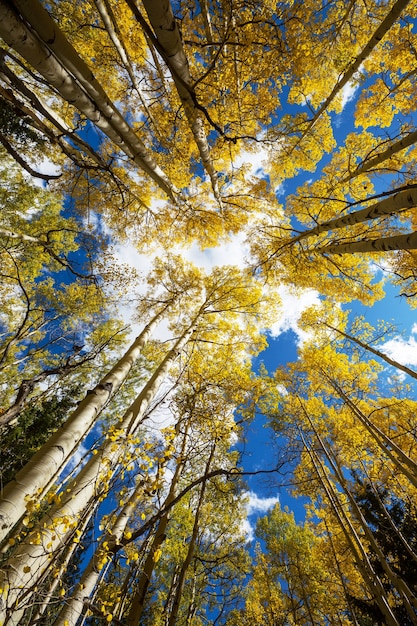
<point>390,19</point>
<point>37,475</point>
<point>401,201</point>
<point>205,13</point>
<point>349,73</point>
<point>109,21</point>
<point>74,605</point>
<point>90,484</point>
<point>171,592</point>
<point>400,459</point>
<point>159,537</point>
<point>384,244</point>
<point>57,578</point>
<point>341,576</point>
<point>371,163</point>
<point>407,596</point>
<point>353,540</point>
<point>394,528</point>
<point>83,91</point>
<point>192,606</point>
<point>191,549</point>
<point>374,351</point>
<point>167,33</point>
<point>43,109</point>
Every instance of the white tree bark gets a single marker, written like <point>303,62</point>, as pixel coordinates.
<point>74,606</point>
<point>33,557</point>
<point>396,203</point>
<point>109,21</point>
<point>372,163</point>
<point>33,100</point>
<point>45,466</point>
<point>74,81</point>
<point>167,33</point>
<point>384,244</point>
<point>390,19</point>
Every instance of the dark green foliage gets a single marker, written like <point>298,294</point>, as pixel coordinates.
<point>15,126</point>
<point>393,537</point>
<point>18,442</point>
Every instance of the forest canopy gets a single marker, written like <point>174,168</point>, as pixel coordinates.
<point>136,137</point>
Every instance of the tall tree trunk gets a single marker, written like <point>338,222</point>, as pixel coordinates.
<point>404,591</point>
<point>167,34</point>
<point>74,606</point>
<point>33,480</point>
<point>390,19</point>
<point>83,91</point>
<point>89,485</point>
<point>352,538</point>
<point>36,619</point>
<point>401,201</point>
<point>384,244</point>
<point>191,548</point>
<point>109,21</point>
<point>402,462</point>
<point>159,536</point>
<point>371,163</point>
<point>20,87</point>
<point>372,350</point>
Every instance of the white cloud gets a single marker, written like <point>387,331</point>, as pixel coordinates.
<point>293,306</point>
<point>255,160</point>
<point>46,166</point>
<point>402,350</point>
<point>349,91</point>
<point>232,252</point>
<point>256,505</point>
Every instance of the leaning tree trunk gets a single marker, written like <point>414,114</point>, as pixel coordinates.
<point>74,606</point>
<point>90,484</point>
<point>369,576</point>
<point>402,462</point>
<point>402,588</point>
<point>369,164</point>
<point>85,588</point>
<point>168,36</point>
<point>349,73</point>
<point>390,19</point>
<point>109,21</point>
<point>159,536</point>
<point>191,549</point>
<point>374,351</point>
<point>33,480</point>
<point>384,244</point>
<point>401,201</point>
<point>70,76</point>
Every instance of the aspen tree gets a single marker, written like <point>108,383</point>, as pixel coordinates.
<point>75,604</point>
<point>179,583</point>
<point>317,319</point>
<point>91,483</point>
<point>168,36</point>
<point>45,466</point>
<point>88,96</point>
<point>352,537</point>
<point>384,244</point>
<point>408,598</point>
<point>223,295</point>
<point>400,201</point>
